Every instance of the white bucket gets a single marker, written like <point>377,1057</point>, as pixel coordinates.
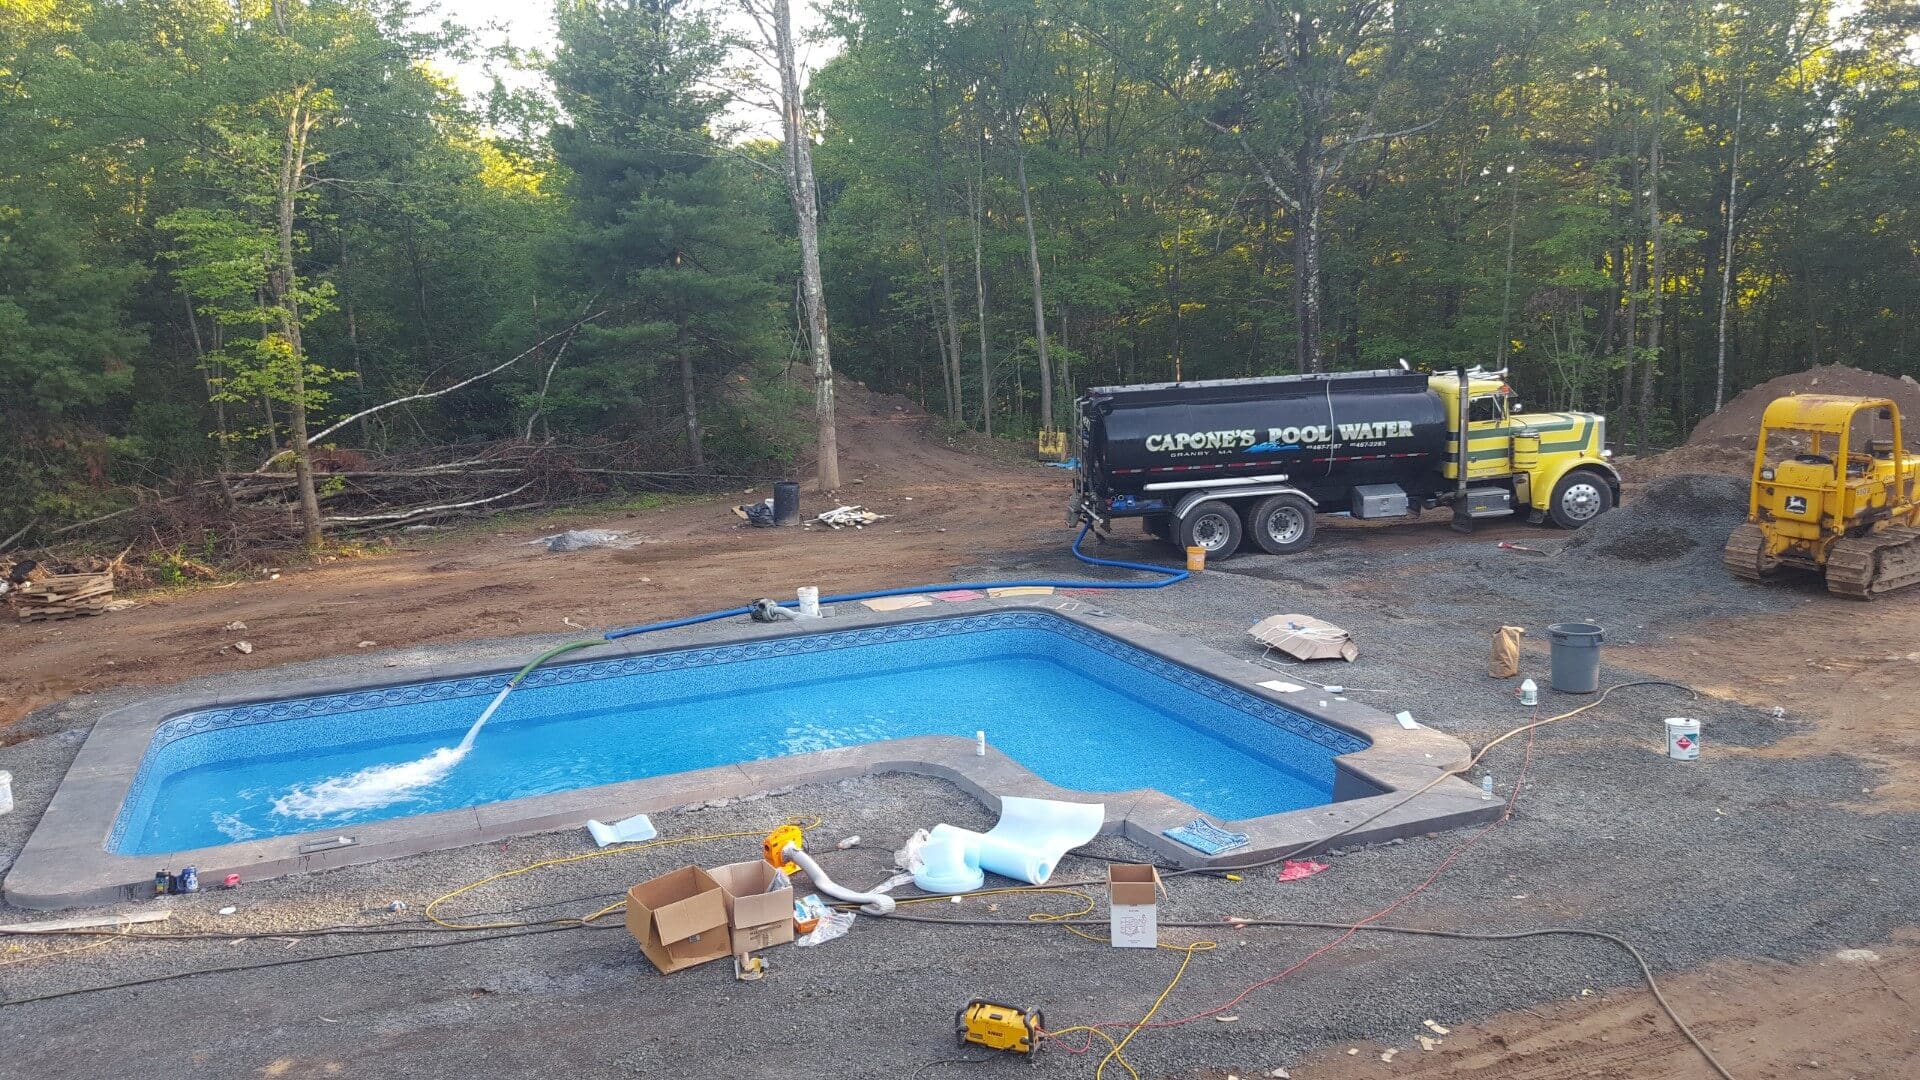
<point>1683,738</point>
<point>6,791</point>
<point>809,597</point>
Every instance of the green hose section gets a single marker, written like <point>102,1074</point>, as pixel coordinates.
<point>557,650</point>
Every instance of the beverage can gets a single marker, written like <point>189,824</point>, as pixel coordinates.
<point>189,880</point>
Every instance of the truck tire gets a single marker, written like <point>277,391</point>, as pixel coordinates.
<point>1578,498</point>
<point>1212,526</point>
<point>1281,524</point>
<point>1158,526</point>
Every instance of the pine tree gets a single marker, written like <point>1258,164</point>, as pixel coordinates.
<point>663,230</point>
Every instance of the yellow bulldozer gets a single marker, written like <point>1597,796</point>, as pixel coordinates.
<point>1834,491</point>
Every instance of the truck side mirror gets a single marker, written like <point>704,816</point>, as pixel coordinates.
<point>1516,408</point>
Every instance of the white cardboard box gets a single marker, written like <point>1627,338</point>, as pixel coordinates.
<point>1133,890</point>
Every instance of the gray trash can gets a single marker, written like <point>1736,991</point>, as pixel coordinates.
<point>1576,656</point>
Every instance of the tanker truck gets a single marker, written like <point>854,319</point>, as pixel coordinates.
<point>1220,463</point>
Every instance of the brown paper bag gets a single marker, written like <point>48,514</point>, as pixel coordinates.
<point>1505,661</point>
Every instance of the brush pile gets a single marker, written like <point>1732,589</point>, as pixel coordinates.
<point>245,517</point>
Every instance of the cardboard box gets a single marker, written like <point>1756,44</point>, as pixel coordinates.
<point>756,917</point>
<point>1133,890</point>
<point>679,918</point>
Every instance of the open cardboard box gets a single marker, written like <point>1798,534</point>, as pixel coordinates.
<point>1133,891</point>
<point>679,918</point>
<point>758,914</point>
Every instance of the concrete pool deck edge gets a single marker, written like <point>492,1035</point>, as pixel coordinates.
<point>65,861</point>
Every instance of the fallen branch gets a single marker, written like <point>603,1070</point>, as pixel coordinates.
<point>24,530</point>
<point>496,369</point>
<point>405,515</point>
<point>65,529</point>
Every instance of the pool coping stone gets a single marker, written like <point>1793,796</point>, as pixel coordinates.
<point>65,862</point>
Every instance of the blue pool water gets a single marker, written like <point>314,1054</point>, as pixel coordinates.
<point>1081,709</point>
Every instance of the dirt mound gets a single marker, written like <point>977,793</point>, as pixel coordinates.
<point>1674,518</point>
<point>1738,422</point>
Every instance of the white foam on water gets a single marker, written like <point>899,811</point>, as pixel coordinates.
<point>233,828</point>
<point>382,785</point>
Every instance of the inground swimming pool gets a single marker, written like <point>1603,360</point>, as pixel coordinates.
<point>1081,709</point>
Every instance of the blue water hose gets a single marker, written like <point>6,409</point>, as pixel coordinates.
<point>1169,575</point>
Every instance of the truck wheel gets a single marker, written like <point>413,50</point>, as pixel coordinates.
<point>1212,527</point>
<point>1282,524</point>
<point>1578,498</point>
<point>1158,526</point>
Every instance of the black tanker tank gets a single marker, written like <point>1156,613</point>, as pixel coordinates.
<point>1325,433</point>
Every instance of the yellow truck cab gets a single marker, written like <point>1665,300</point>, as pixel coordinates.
<point>1554,466</point>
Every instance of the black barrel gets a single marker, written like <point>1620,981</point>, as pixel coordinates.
<point>1363,425</point>
<point>786,503</point>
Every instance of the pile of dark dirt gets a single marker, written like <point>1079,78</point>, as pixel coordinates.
<point>1670,519</point>
<point>1724,441</point>
<point>1738,421</point>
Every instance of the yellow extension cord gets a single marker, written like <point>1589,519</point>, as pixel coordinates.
<point>429,911</point>
<point>1117,1053</point>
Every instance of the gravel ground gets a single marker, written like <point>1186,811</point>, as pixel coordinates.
<point>1735,855</point>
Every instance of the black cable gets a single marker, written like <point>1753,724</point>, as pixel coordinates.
<point>1646,970</point>
<point>290,961</point>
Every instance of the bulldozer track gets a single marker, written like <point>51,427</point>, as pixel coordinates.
<point>1865,566</point>
<point>1745,555</point>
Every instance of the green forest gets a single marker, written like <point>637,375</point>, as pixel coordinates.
<point>266,253</point>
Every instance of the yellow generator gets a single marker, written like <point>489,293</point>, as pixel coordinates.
<point>998,1027</point>
<point>1834,490</point>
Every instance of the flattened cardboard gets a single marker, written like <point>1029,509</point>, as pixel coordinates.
<point>679,919</point>
<point>757,918</point>
<point>1304,637</point>
<point>1133,891</point>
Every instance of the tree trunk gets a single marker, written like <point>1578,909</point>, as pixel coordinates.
<point>806,212</point>
<point>1635,251</point>
<point>1505,341</point>
<point>1726,256</point>
<point>223,460</point>
<point>1309,271</point>
<point>1654,284</point>
<point>691,408</point>
<point>293,167</point>
<point>976,199</point>
<point>956,404</point>
<point>1039,302</point>
<point>1066,365</point>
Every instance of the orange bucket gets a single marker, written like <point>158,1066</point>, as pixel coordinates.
<point>1196,559</point>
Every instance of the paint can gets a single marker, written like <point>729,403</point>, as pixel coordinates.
<point>1196,559</point>
<point>1683,738</point>
<point>809,597</point>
